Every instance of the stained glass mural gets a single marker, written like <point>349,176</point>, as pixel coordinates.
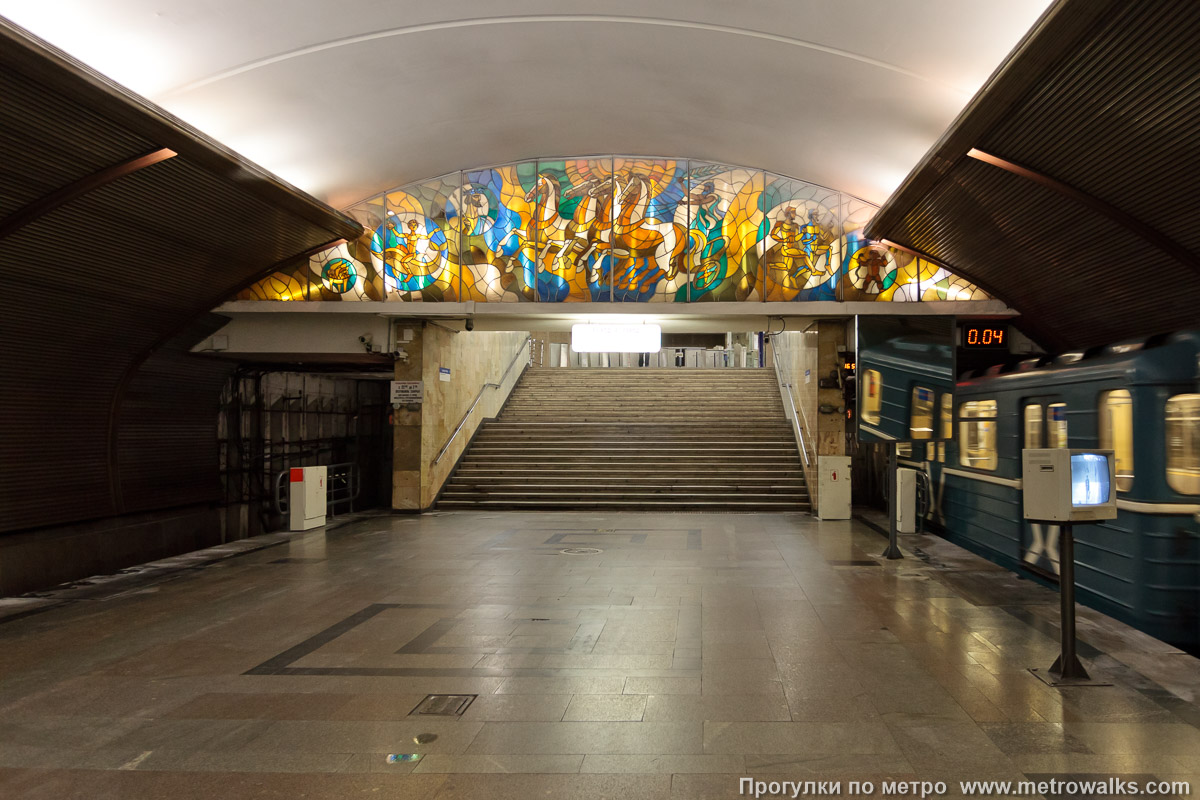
<point>280,285</point>
<point>615,229</point>
<point>411,248</point>
<point>799,241</point>
<point>722,221</point>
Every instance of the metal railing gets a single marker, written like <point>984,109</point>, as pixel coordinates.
<point>783,375</point>
<point>686,357</point>
<point>524,348</point>
<point>343,482</point>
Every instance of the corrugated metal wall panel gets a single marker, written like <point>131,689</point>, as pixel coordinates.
<point>99,416</point>
<point>167,451</point>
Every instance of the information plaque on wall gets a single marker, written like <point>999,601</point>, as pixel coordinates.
<point>404,392</point>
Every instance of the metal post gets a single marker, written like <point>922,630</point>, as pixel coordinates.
<point>1067,666</point>
<point>892,551</point>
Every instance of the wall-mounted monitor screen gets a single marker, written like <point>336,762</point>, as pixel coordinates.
<point>1089,479</point>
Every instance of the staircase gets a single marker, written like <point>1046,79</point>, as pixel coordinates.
<point>635,438</point>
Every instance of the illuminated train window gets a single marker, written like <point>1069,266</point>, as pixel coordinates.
<point>1057,427</point>
<point>947,416</point>
<point>1033,425</point>
<point>1183,443</point>
<point>920,419</point>
<point>977,432</point>
<point>872,397</point>
<point>1116,433</point>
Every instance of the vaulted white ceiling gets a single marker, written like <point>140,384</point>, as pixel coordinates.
<point>347,99</point>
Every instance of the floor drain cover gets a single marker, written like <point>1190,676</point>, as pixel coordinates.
<point>581,551</point>
<point>443,705</point>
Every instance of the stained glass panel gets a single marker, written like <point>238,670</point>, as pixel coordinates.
<point>800,246</point>
<point>722,223</point>
<point>411,248</point>
<point>647,239</point>
<point>619,229</point>
<point>493,209</point>
<point>572,213</point>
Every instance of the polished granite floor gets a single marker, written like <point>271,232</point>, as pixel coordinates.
<point>611,655</point>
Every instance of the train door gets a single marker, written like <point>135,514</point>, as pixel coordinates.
<point>934,479</point>
<point>1043,424</point>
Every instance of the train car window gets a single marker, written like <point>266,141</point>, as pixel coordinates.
<point>872,397</point>
<point>1057,428</point>
<point>904,449</point>
<point>1116,433</point>
<point>947,416</point>
<point>930,451</point>
<point>1183,443</point>
<point>920,419</point>
<point>977,434</point>
<point>1033,425</point>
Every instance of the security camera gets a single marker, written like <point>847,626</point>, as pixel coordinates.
<point>470,324</point>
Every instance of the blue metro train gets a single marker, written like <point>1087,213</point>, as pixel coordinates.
<point>1140,399</point>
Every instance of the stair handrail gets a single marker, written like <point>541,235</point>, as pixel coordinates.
<point>524,348</point>
<point>786,385</point>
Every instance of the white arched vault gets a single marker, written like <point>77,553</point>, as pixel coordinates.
<point>348,99</point>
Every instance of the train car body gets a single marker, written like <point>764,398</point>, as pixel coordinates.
<point>1140,399</point>
<point>902,383</point>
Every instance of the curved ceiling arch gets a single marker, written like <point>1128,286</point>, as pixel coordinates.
<point>551,19</point>
<point>345,100</point>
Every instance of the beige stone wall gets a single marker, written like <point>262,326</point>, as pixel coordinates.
<point>816,350</point>
<point>474,359</point>
<point>831,428</point>
<point>406,428</point>
<point>797,352</point>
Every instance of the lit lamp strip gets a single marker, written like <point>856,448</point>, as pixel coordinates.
<point>616,338</point>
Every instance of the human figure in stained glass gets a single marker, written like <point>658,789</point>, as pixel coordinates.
<point>872,262</point>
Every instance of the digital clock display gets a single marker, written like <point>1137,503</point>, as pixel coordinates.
<point>984,335</point>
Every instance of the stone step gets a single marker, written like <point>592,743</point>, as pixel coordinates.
<point>670,450</point>
<point>458,488</point>
<point>632,473</point>
<point>519,477</point>
<point>642,504</point>
<point>720,438</point>
<point>624,493</point>
<point>666,426</point>
<point>634,438</point>
<point>660,465</point>
<point>702,421</point>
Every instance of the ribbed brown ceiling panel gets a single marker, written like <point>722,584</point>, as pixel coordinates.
<point>1139,115</point>
<point>103,291</point>
<point>999,226</point>
<point>1098,239</point>
<point>73,144</point>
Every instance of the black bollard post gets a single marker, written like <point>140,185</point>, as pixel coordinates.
<point>1067,666</point>
<point>893,550</point>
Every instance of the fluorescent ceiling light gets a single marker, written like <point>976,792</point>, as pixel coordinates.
<point>616,338</point>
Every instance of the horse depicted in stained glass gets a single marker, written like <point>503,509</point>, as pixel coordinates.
<point>646,250</point>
